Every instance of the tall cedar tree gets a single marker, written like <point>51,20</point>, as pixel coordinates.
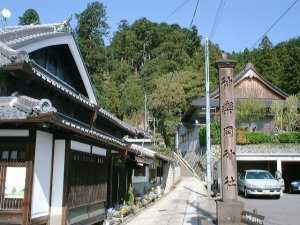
<point>30,16</point>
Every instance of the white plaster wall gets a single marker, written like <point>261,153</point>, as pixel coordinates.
<point>58,182</point>
<point>42,174</point>
<point>78,146</point>
<point>98,151</point>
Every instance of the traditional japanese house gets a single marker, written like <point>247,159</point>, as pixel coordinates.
<point>147,170</point>
<point>63,158</point>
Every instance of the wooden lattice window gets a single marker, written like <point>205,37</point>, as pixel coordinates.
<point>12,177</point>
<point>87,179</point>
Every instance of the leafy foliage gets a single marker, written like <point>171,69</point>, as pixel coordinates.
<point>289,137</point>
<point>250,110</point>
<point>291,113</point>
<point>286,114</point>
<point>258,138</point>
<point>166,62</point>
<point>30,16</point>
<point>215,132</point>
<point>278,64</point>
<point>129,198</point>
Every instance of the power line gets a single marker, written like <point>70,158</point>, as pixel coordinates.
<point>195,11</point>
<point>217,18</point>
<point>177,9</point>
<point>276,22</point>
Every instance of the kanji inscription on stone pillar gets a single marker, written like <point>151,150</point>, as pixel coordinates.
<point>228,209</point>
<point>227,111</point>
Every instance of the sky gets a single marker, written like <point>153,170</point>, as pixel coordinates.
<point>242,23</point>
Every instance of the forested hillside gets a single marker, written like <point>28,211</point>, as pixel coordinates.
<point>279,64</point>
<point>165,62</point>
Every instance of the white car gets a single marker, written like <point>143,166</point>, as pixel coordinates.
<point>258,182</point>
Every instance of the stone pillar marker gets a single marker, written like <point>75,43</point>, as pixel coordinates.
<point>228,209</point>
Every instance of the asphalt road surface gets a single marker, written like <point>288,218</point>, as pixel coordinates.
<point>185,205</point>
<point>285,211</point>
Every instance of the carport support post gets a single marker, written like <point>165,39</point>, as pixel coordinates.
<point>228,209</point>
<point>279,165</point>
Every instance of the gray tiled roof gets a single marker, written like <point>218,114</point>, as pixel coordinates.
<point>15,108</point>
<point>23,107</point>
<point>9,56</point>
<point>10,37</point>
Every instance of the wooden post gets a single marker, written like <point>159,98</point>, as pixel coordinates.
<point>109,158</point>
<point>66,183</point>
<point>229,209</point>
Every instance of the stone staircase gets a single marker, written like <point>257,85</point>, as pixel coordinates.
<point>186,165</point>
<point>194,159</point>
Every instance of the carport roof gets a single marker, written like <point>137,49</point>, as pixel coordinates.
<point>269,149</point>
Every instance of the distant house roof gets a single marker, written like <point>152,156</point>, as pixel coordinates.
<point>200,102</point>
<point>13,57</point>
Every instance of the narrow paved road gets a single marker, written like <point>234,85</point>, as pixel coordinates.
<point>186,205</point>
<point>283,211</point>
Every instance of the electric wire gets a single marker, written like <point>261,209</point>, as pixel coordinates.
<point>194,14</point>
<point>217,18</point>
<point>275,22</point>
<point>176,9</point>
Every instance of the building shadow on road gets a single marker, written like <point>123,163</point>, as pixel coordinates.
<point>199,220</point>
<point>205,217</point>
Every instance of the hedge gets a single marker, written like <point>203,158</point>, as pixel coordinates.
<point>258,138</point>
<point>244,137</point>
<point>289,137</point>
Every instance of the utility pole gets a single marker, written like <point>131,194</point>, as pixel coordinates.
<point>208,150</point>
<point>154,131</point>
<point>145,115</point>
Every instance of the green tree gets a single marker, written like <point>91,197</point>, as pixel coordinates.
<point>30,16</point>
<point>250,110</point>
<point>92,22</point>
<point>291,114</point>
<point>132,97</point>
<point>167,103</point>
<point>277,110</point>
<point>267,62</point>
<point>91,29</point>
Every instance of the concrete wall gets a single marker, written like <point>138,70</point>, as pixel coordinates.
<point>140,183</point>
<point>171,176</point>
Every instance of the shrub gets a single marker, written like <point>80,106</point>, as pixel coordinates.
<point>258,138</point>
<point>130,196</point>
<point>241,137</point>
<point>215,132</point>
<point>202,135</point>
<point>289,137</point>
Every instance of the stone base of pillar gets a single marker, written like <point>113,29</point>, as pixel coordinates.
<point>229,212</point>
